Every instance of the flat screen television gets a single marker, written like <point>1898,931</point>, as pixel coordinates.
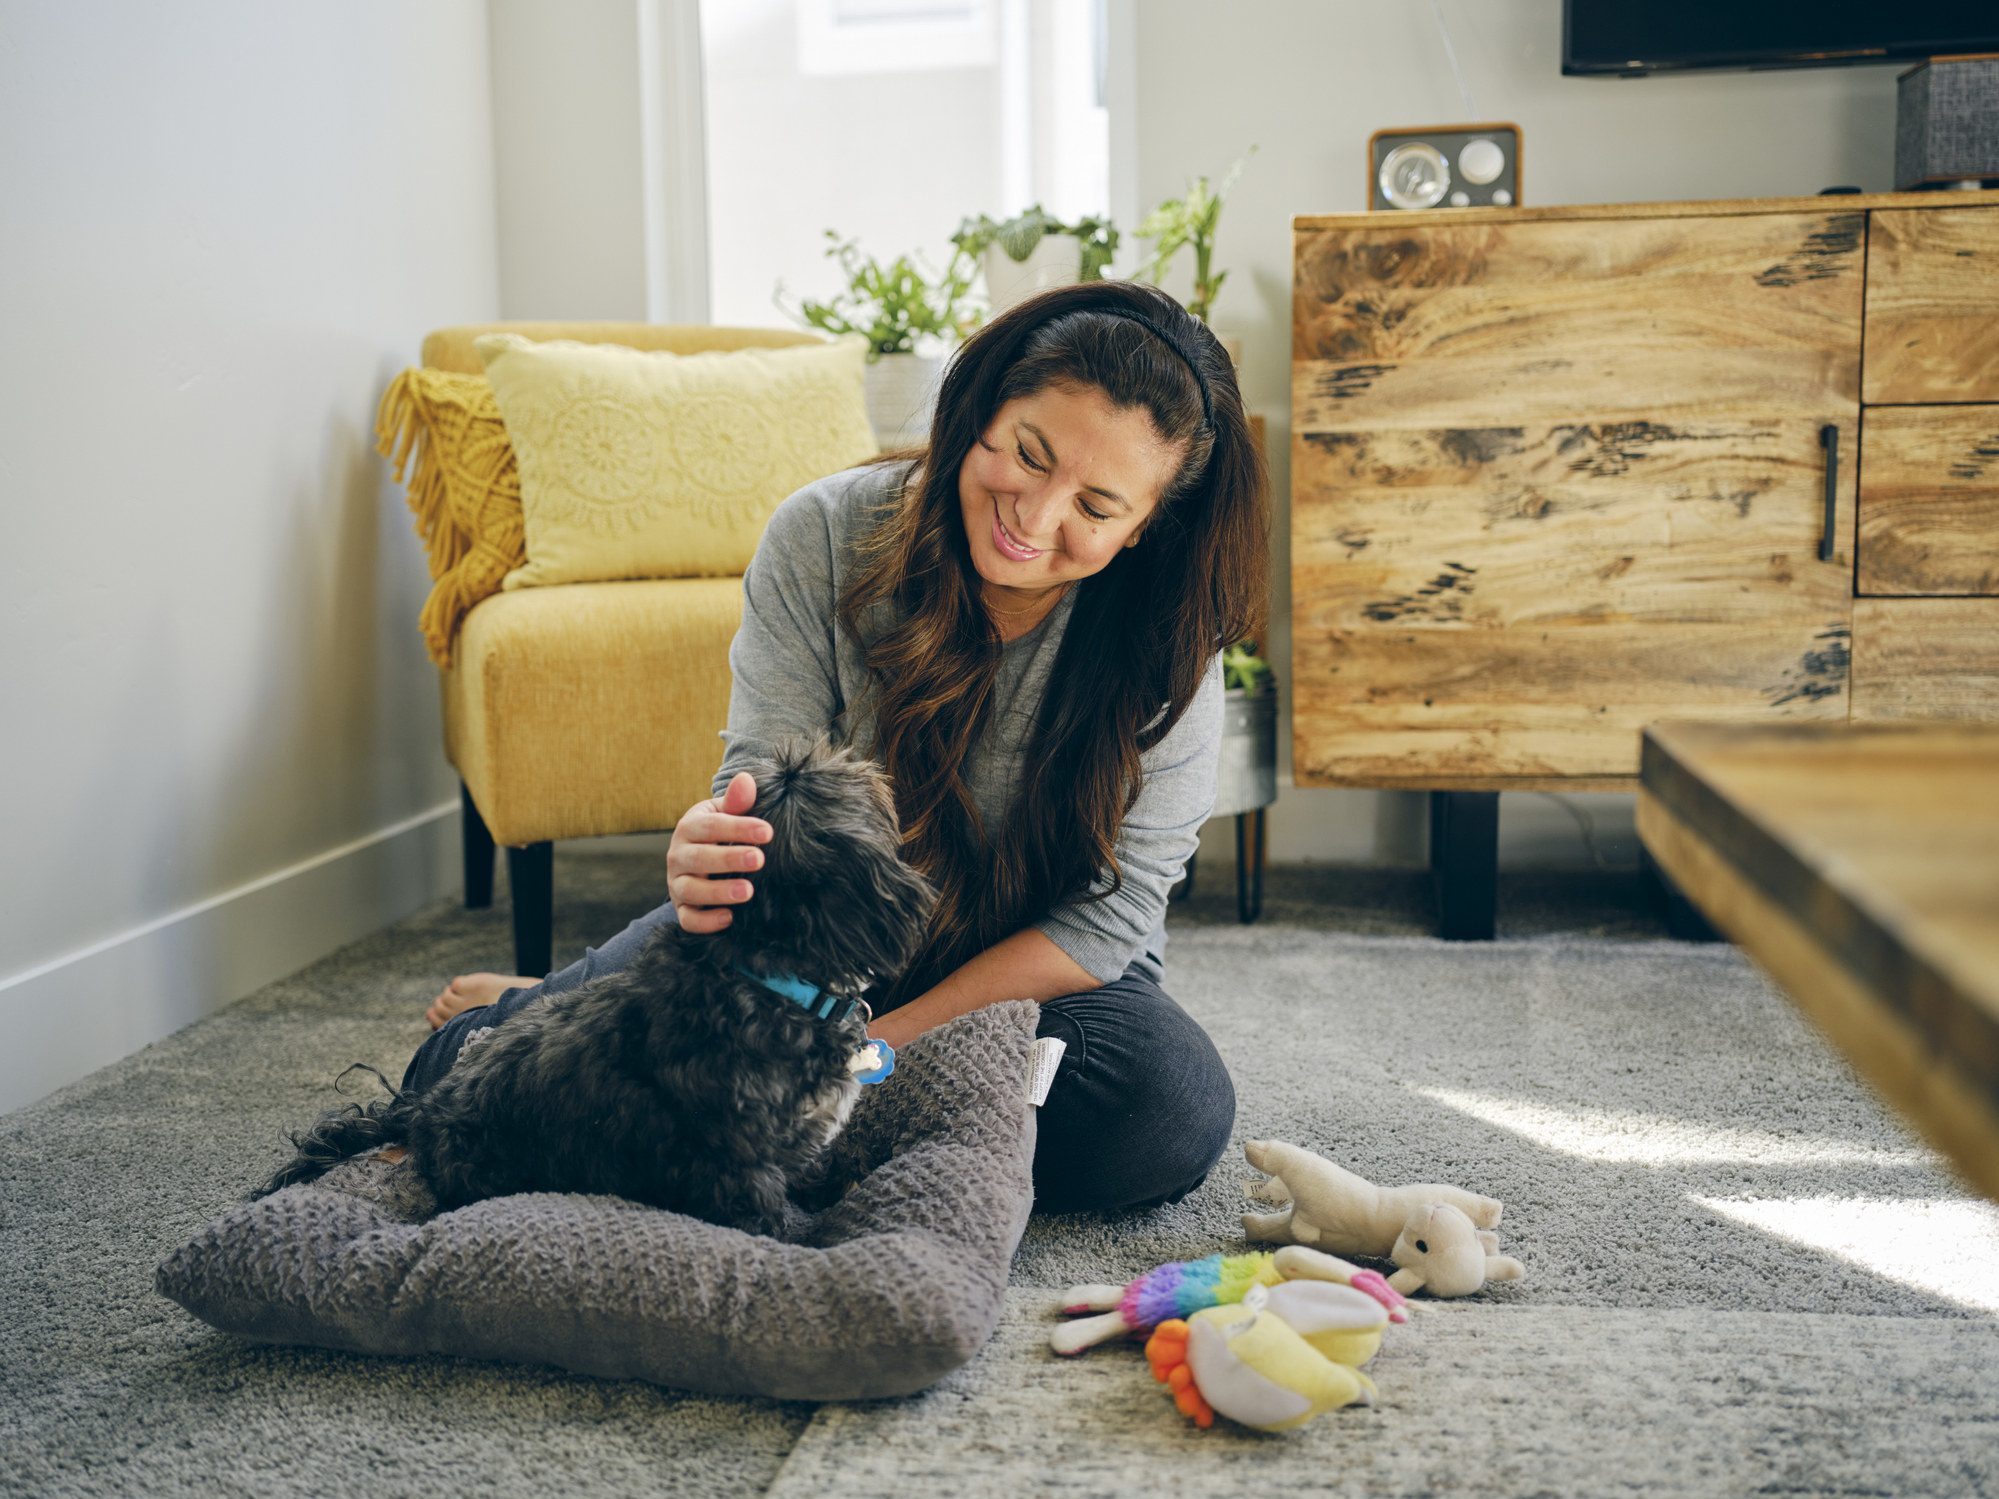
<point>1630,38</point>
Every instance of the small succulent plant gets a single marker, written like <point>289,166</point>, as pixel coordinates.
<point>1243,667</point>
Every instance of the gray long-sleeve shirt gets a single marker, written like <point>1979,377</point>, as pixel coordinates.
<point>797,672</point>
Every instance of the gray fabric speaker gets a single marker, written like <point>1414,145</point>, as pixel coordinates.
<point>1947,123</point>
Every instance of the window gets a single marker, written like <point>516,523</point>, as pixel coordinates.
<point>888,121</point>
<point>893,36</point>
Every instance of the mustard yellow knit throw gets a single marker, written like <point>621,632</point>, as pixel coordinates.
<point>465,490</point>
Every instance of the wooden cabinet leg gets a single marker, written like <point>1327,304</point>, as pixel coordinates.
<point>531,876</point>
<point>477,842</point>
<point>1464,863</point>
<point>1249,839</point>
<point>1684,920</point>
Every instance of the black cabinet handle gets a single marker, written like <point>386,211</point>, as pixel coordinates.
<point>1829,440</point>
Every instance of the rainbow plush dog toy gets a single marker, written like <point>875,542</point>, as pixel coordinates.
<point>1187,1286</point>
<point>1269,1340</point>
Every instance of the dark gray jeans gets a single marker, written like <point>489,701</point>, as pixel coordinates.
<point>1141,1107</point>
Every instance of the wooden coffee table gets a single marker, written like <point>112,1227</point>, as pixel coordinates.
<point>1859,866</point>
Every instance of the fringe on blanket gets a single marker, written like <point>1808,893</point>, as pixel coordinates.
<point>445,432</point>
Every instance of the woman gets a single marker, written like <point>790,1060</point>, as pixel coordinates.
<point>1022,626</point>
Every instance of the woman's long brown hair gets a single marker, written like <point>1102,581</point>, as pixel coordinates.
<point>1141,632</point>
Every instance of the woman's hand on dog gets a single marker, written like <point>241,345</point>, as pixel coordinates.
<point>711,842</point>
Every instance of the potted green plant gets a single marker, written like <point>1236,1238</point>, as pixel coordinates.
<point>1249,731</point>
<point>1189,222</point>
<point>1034,251</point>
<point>896,307</point>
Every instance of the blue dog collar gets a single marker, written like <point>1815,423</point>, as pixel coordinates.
<point>808,997</point>
<point>873,1062</point>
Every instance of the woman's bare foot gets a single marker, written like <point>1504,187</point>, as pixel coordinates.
<point>471,990</point>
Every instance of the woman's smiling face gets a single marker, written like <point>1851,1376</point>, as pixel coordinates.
<point>1058,483</point>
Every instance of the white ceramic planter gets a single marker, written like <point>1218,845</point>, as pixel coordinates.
<point>901,394</point>
<point>1248,769</point>
<point>1056,261</point>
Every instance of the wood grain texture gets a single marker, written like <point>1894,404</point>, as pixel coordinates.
<point>1594,212</point>
<point>1552,481</point>
<point>1490,710</point>
<point>1705,522</point>
<point>1886,835</point>
<point>1494,603</point>
<point>1925,659</point>
<point>1882,842</point>
<point>1891,1044</point>
<point>1484,324</point>
<point>1929,500</point>
<point>1932,306</point>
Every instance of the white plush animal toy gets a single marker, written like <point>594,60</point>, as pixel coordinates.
<point>1333,1210</point>
<point>1440,1251</point>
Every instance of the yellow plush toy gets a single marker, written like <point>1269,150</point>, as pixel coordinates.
<point>1281,1356</point>
<point>1269,1340</point>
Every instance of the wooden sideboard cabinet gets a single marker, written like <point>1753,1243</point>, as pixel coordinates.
<point>1558,473</point>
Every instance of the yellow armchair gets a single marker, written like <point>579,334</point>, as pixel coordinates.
<point>585,709</point>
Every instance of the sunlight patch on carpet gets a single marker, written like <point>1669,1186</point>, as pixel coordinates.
<point>1950,1249</point>
<point>1656,1140</point>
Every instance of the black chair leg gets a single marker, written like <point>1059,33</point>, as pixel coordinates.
<point>1186,886</point>
<point>1464,863</point>
<point>531,876</point>
<point>1249,842</point>
<point>477,841</point>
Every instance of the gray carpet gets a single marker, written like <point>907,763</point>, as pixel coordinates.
<point>1742,1277</point>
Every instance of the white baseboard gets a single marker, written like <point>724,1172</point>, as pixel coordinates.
<point>66,1018</point>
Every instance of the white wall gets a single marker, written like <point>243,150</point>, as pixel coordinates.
<point>600,170</point>
<point>566,137</point>
<point>1307,81</point>
<point>223,226</point>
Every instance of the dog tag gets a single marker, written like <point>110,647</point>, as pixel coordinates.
<point>872,1062</point>
<point>1042,1061</point>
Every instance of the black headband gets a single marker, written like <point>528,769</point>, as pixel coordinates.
<point>1172,342</point>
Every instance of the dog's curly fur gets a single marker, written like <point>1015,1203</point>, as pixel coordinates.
<point>679,1081</point>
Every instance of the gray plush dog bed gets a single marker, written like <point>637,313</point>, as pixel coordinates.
<point>897,1283</point>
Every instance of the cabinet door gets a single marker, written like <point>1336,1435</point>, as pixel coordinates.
<point>1917,659</point>
<point>1929,500</point>
<point>1932,305</point>
<point>1554,480</point>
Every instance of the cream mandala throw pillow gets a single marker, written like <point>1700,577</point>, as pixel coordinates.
<point>640,464</point>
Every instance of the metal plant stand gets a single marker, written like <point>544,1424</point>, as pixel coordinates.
<point>1249,849</point>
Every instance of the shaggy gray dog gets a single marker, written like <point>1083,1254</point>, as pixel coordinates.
<point>683,1081</point>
